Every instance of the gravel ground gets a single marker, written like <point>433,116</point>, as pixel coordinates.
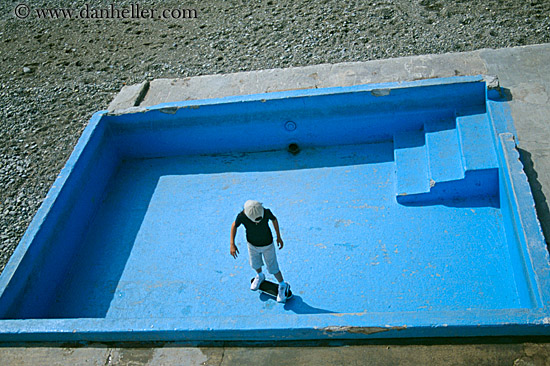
<point>56,72</point>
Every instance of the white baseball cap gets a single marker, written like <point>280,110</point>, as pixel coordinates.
<point>254,210</point>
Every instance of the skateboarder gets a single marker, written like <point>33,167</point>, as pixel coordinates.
<point>255,219</point>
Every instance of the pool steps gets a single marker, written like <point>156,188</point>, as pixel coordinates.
<point>446,160</point>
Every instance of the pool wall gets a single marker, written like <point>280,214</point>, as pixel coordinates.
<point>323,117</point>
<point>518,211</point>
<point>410,115</point>
<point>54,236</point>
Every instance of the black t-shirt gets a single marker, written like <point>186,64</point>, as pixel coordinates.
<point>258,234</point>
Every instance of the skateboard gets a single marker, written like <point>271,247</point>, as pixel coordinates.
<point>271,289</point>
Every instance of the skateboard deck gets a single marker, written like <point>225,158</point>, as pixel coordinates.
<point>271,289</point>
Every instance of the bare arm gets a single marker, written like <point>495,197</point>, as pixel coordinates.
<point>233,250</point>
<point>279,239</point>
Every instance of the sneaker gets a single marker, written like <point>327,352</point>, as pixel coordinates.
<point>260,277</point>
<point>284,292</point>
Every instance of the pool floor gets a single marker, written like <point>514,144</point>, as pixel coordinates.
<point>158,246</point>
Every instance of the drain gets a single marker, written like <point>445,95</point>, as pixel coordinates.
<point>293,148</point>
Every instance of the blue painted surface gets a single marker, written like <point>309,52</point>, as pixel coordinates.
<point>405,214</point>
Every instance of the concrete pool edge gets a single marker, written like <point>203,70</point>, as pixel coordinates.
<point>526,222</point>
<point>330,327</point>
<point>377,89</point>
<point>67,329</point>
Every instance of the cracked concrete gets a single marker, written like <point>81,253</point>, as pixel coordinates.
<point>536,354</point>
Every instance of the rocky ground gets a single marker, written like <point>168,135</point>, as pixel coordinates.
<point>56,72</point>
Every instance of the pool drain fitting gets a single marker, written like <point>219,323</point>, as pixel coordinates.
<point>293,148</point>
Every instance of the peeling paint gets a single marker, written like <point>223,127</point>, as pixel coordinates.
<point>360,330</point>
<point>355,330</point>
<point>168,110</point>
<point>130,110</point>
<point>380,92</point>
<point>349,314</point>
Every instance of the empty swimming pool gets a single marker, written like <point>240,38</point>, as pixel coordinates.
<point>403,206</point>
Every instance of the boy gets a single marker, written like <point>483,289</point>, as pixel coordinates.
<point>260,243</point>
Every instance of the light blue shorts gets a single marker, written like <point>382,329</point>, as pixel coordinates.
<point>268,254</point>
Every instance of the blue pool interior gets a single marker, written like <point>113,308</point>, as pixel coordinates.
<point>399,201</point>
